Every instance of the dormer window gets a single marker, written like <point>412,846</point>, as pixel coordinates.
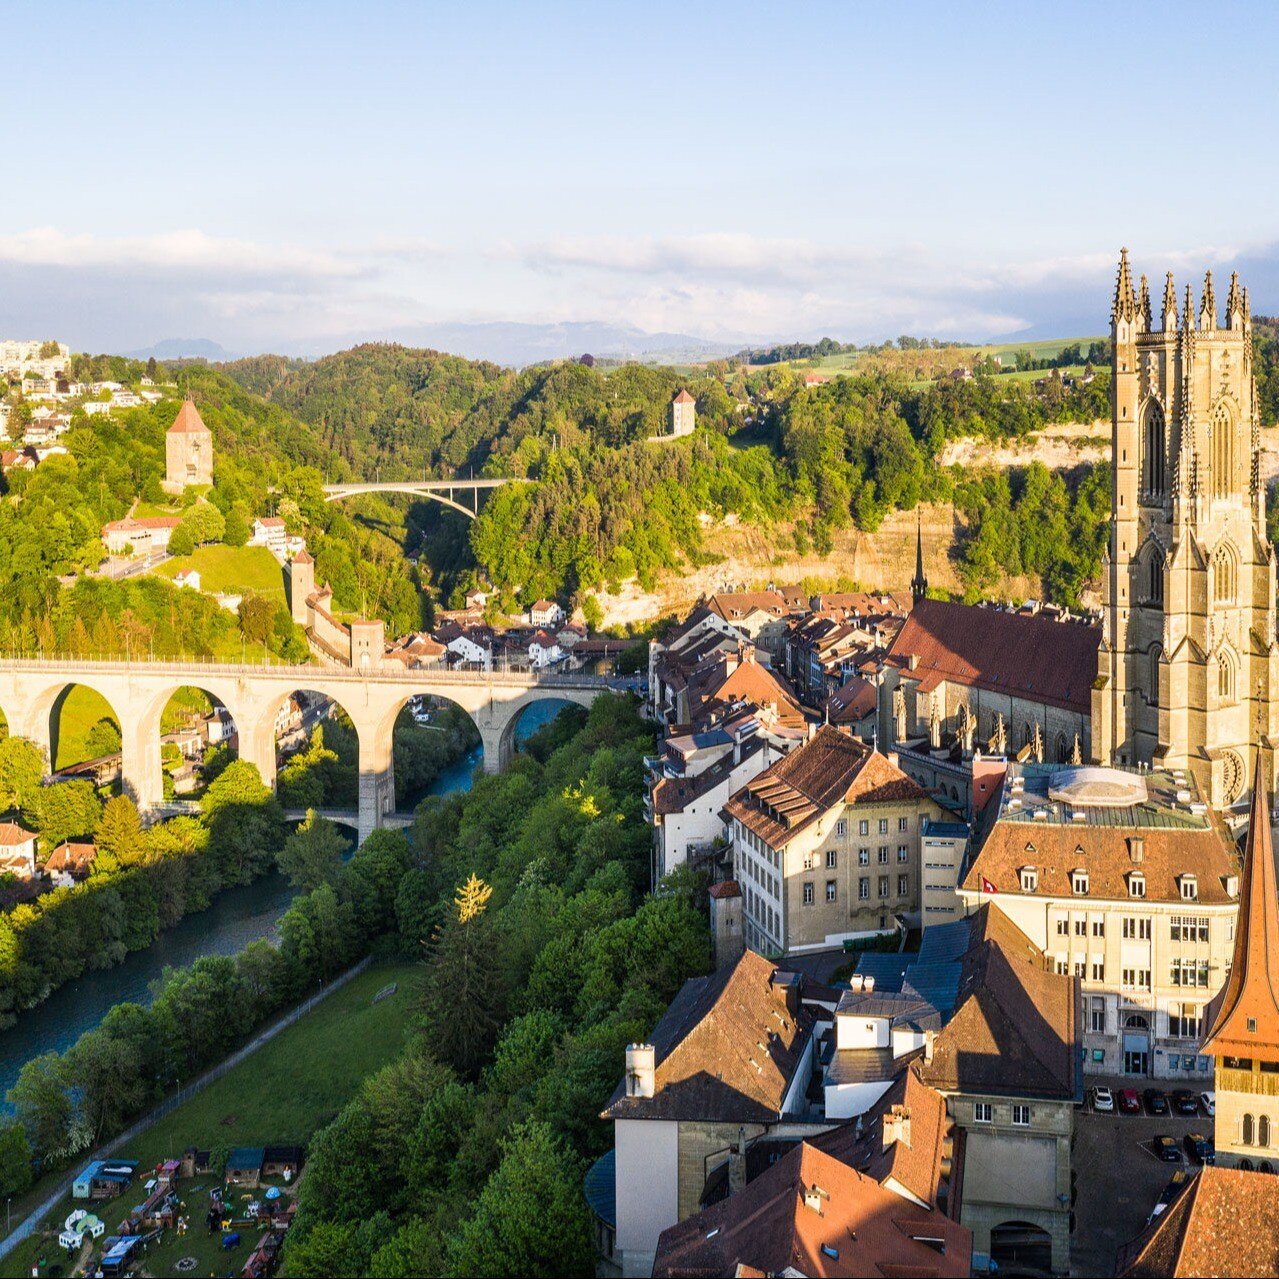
<point>1079,882</point>
<point>1029,879</point>
<point>1136,884</point>
<point>1189,887</point>
<point>1232,885</point>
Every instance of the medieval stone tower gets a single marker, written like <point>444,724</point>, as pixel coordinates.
<point>188,451</point>
<point>1188,658</point>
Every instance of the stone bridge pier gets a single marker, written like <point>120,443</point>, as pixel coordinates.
<point>138,692</point>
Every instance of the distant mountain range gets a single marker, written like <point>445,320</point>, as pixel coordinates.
<point>502,342</point>
<point>183,349</point>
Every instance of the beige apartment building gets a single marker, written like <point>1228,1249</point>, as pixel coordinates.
<point>826,845</point>
<point>1129,882</point>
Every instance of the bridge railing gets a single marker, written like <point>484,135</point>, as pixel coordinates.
<point>397,674</point>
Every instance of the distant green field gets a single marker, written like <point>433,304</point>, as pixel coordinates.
<point>80,711</point>
<point>231,570</point>
<point>283,1094</point>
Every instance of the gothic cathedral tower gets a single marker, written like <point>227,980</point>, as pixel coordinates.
<point>1188,658</point>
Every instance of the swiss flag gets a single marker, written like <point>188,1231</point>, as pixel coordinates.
<point>987,886</point>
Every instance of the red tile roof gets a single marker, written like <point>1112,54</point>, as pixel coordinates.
<point>12,834</point>
<point>683,397</point>
<point>1033,657</point>
<point>812,1214</point>
<point>727,1050</point>
<point>1224,1222</point>
<point>831,769</point>
<point>1244,1017</point>
<point>728,888</point>
<point>188,421</point>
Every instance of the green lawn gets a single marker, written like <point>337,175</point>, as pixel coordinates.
<point>231,570</point>
<point>150,510</point>
<point>282,1094</point>
<point>81,709</point>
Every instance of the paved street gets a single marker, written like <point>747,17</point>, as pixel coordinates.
<point>1118,1179</point>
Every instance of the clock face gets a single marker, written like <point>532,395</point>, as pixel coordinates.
<point>1232,776</point>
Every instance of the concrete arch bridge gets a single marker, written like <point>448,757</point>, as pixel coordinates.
<point>442,491</point>
<point>139,691</point>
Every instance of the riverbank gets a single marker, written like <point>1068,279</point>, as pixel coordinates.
<point>280,1089</point>
<point>237,916</point>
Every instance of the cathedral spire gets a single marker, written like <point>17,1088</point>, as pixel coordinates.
<point>1208,311</point>
<point>1244,1017</point>
<point>919,583</point>
<point>1125,303</point>
<point>1170,305</point>
<point>1143,305</point>
<point>1234,302</point>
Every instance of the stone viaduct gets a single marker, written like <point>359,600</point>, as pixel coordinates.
<point>138,691</point>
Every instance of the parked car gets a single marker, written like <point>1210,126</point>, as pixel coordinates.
<point>1184,1102</point>
<point>1129,1101</point>
<point>1166,1148</point>
<point>1169,1193</point>
<point>1156,1101</point>
<point>1200,1148</point>
<point>1208,1103</point>
<point>1103,1101</point>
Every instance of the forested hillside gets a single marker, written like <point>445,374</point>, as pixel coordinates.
<point>606,505</point>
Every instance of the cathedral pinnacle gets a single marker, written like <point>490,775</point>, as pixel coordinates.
<point>1125,304</point>
<point>1170,305</point>
<point>1208,312</point>
<point>1235,304</point>
<point>1143,304</point>
<point>1188,315</point>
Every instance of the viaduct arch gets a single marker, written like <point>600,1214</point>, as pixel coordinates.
<point>138,692</point>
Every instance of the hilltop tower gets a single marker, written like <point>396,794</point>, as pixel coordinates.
<point>188,450</point>
<point>683,414</point>
<point>1242,1022</point>
<point>1188,658</point>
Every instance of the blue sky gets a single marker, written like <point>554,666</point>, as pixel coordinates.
<point>288,176</point>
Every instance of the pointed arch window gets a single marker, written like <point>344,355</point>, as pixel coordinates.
<point>1223,452</point>
<point>1154,453</point>
<point>1152,678</point>
<point>1155,575</point>
<point>1225,574</point>
<point>1226,676</point>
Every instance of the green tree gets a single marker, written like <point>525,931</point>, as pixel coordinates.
<point>181,541</point>
<point>67,809</point>
<point>236,532</point>
<point>503,1237</point>
<point>313,854</point>
<point>257,618</point>
<point>460,998</point>
<point>118,835</point>
<point>42,1099</point>
<point>21,768</point>
<point>16,1175</point>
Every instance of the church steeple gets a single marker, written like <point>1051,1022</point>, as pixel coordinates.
<point>919,583</point>
<point>1244,1017</point>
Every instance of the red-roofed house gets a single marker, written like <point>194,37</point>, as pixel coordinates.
<point>17,850</point>
<point>139,536</point>
<point>826,845</point>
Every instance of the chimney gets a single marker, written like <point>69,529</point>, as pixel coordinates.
<point>737,1164</point>
<point>855,981</point>
<point>1136,848</point>
<point>897,1126</point>
<point>641,1070</point>
<point>786,988</point>
<point>813,1197</point>
<point>868,984</point>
